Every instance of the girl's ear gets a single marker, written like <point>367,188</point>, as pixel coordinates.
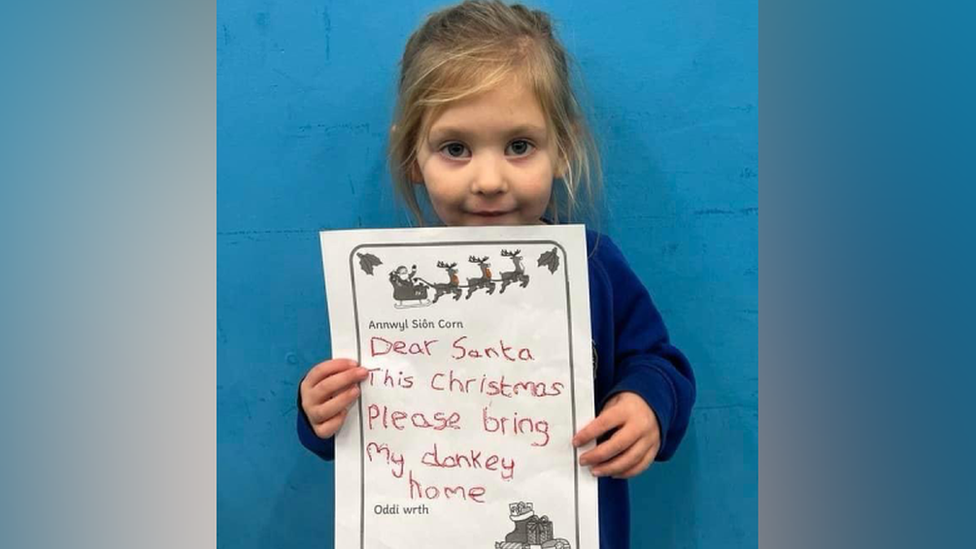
<point>559,170</point>
<point>416,176</point>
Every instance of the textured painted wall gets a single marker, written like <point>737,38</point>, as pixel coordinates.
<point>305,92</point>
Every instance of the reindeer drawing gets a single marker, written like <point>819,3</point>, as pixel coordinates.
<point>450,287</point>
<point>484,281</point>
<point>518,275</point>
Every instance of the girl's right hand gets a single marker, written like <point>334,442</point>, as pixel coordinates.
<point>328,390</point>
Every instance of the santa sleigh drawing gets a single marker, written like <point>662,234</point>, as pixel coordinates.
<point>411,291</point>
<point>407,291</point>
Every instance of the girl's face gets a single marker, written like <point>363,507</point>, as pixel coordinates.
<point>489,159</point>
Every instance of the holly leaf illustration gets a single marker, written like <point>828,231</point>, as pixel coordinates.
<point>368,262</point>
<point>549,259</point>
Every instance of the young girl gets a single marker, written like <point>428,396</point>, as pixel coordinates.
<point>487,125</point>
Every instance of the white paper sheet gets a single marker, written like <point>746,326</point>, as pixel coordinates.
<point>479,344</point>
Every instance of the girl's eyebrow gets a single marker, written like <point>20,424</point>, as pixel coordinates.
<point>445,132</point>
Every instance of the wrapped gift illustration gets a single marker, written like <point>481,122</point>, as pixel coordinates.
<point>539,530</point>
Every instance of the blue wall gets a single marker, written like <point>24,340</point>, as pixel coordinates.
<point>305,92</point>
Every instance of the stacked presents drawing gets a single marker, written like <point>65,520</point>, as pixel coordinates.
<point>531,531</point>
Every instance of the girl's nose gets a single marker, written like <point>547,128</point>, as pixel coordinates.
<point>489,177</point>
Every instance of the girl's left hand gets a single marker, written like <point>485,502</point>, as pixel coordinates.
<point>632,448</point>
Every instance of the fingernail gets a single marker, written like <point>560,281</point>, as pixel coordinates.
<point>597,473</point>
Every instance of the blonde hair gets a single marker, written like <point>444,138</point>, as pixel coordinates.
<point>470,48</point>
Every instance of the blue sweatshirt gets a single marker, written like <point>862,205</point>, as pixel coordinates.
<point>632,353</point>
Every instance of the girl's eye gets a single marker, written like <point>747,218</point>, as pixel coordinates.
<point>455,150</point>
<point>519,147</point>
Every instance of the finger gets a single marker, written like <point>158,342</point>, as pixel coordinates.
<point>337,383</point>
<point>606,450</point>
<point>336,404</point>
<point>641,466</point>
<point>622,462</point>
<point>607,420</point>
<point>331,427</point>
<point>325,369</point>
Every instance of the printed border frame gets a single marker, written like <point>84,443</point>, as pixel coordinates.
<point>572,366</point>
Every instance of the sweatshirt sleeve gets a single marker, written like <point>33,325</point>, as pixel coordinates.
<point>645,362</point>
<point>324,448</point>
